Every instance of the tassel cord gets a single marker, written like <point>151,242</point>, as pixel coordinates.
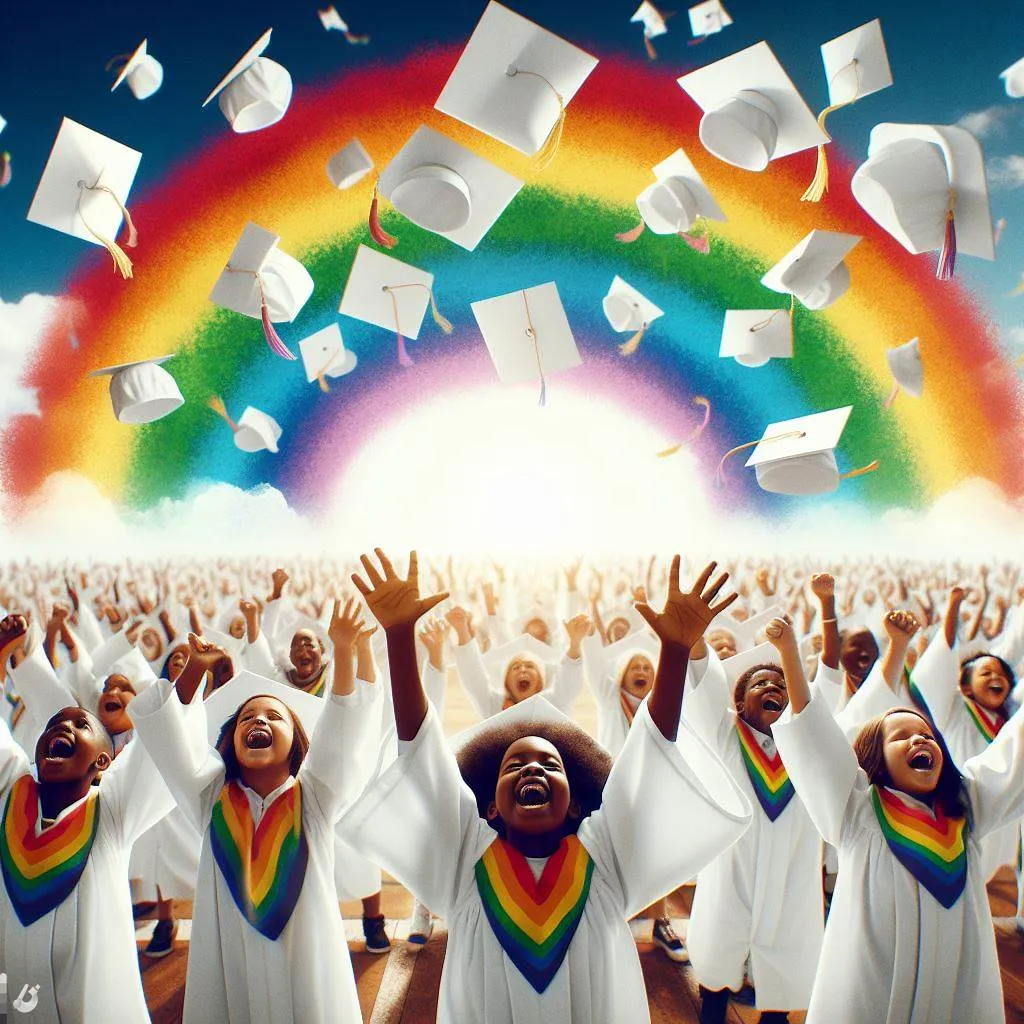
<point>720,472</point>
<point>122,262</point>
<point>549,149</point>
<point>818,188</point>
<point>531,333</point>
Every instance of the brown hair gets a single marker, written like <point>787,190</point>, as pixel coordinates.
<point>226,741</point>
<point>967,667</point>
<point>869,746</point>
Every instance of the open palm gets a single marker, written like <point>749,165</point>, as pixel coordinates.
<point>688,614</point>
<point>393,601</point>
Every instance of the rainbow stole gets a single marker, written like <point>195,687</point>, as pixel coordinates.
<point>768,775</point>
<point>264,867</point>
<point>931,849</point>
<point>982,722</point>
<point>40,871</point>
<point>535,919</point>
<point>315,686</point>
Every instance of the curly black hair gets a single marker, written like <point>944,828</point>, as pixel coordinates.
<point>739,691</point>
<point>587,764</point>
<point>967,670</point>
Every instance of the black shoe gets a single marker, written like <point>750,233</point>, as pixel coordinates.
<point>376,938</point>
<point>162,941</point>
<point>141,909</point>
<point>713,1005</point>
<point>670,943</point>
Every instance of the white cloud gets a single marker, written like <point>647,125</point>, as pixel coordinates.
<point>988,122</point>
<point>21,327</point>
<point>1006,171</point>
<point>1014,338</point>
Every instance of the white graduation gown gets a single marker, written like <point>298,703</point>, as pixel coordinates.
<point>892,954</point>
<point>82,954</point>
<point>420,821</point>
<point>762,897</point>
<point>234,972</point>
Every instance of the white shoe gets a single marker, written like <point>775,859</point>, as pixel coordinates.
<point>421,924</point>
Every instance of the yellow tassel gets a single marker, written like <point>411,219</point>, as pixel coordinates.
<point>720,472</point>
<point>122,263</point>
<point>869,468</point>
<point>322,381</point>
<point>547,152</point>
<point>216,403</point>
<point>818,188</point>
<point>439,318</point>
<point>629,347</point>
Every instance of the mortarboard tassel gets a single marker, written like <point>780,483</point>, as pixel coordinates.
<point>696,41</point>
<point>632,234</point>
<point>947,254</point>
<point>403,353</point>
<point>720,472</point>
<point>547,152</point>
<point>377,232</point>
<point>818,188</point>
<point>404,359</point>
<point>629,347</point>
<point>277,346</point>
<point>887,404</point>
<point>863,471</point>
<point>439,318</point>
<point>321,377</point>
<point>1000,227</point>
<point>122,263</point>
<point>5,169</point>
<point>649,46</point>
<point>531,333</point>
<point>351,37</point>
<point>216,403</point>
<point>698,400</point>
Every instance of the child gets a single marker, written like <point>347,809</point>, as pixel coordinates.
<point>266,924</point>
<point>65,838</point>
<point>909,936</point>
<point>760,901</point>
<point>535,860</point>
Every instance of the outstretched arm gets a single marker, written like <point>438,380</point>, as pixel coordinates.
<point>900,628</point>
<point>823,586</point>
<point>782,637</point>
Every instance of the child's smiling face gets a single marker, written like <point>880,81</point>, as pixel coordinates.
<point>263,734</point>
<point>988,684</point>
<point>638,677</point>
<point>859,652</point>
<point>117,695</point>
<point>913,760</point>
<point>764,699</point>
<point>72,745</point>
<point>532,793</point>
<point>306,653</point>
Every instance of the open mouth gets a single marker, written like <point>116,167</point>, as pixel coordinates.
<point>997,689</point>
<point>112,706</point>
<point>922,761</point>
<point>532,793</point>
<point>773,705</point>
<point>259,737</point>
<point>60,747</point>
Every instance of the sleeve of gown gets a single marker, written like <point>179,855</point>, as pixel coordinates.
<point>874,697</point>
<point>707,700</point>
<point>343,749</point>
<point>654,785</point>
<point>497,630</point>
<point>475,679</point>
<point>14,762</point>
<point>175,738</point>
<point>419,821</point>
<point>596,670</point>
<point>820,763</point>
<point>936,679</point>
<point>259,658</point>
<point>134,789</point>
<point>566,683</point>
<point>434,684</point>
<point>88,631</point>
<point>831,684</point>
<point>995,779</point>
<point>35,681</point>
<point>1009,645</point>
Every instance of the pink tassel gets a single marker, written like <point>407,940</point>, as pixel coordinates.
<point>403,355</point>
<point>5,169</point>
<point>947,255</point>
<point>649,46</point>
<point>277,346</point>
<point>697,41</point>
<point>699,243</point>
<point>632,235</point>
<point>377,232</point>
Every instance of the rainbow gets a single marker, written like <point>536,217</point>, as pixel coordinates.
<point>768,776</point>
<point>535,919</point>
<point>931,849</point>
<point>264,868</point>
<point>982,722</point>
<point>561,227</point>
<point>41,871</point>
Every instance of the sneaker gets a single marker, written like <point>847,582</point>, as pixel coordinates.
<point>376,938</point>
<point>421,924</point>
<point>142,909</point>
<point>670,943</point>
<point>162,941</point>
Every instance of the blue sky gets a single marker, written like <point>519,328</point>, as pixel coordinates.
<point>946,59</point>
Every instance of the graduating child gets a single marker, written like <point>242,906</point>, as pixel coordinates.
<point>536,854</point>
<point>65,917</point>
<point>760,901</point>
<point>909,938</point>
<point>266,924</point>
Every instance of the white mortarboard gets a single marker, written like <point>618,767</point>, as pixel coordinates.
<point>85,185</point>
<point>753,336</point>
<point>331,19</point>
<point>446,188</point>
<point>636,643</point>
<point>653,20</point>
<point>747,630</point>
<point>907,368</point>
<point>919,176</point>
<point>286,284</point>
<point>227,699</point>
<point>629,613</point>
<point>527,334</point>
<point>753,113</point>
<point>804,463</point>
<point>534,709</point>
<point>388,293</point>
<point>627,310</point>
<point>1013,79</point>
<point>143,72</point>
<point>497,658</point>
<point>762,654</point>
<point>856,64</point>
<point>349,165</point>
<point>678,198</point>
<point>708,18</point>
<point>514,80</point>
<point>324,355</point>
<point>256,92</point>
<point>257,431</point>
<point>143,391</point>
<point>814,270</point>
<point>3,122</point>
<point>233,645</point>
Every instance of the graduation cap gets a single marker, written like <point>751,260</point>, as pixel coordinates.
<point>324,355</point>
<point>628,310</point>
<point>446,188</point>
<point>707,18</point>
<point>514,81</point>
<point>753,336</point>
<point>527,335</point>
<point>141,70</point>
<point>654,25</point>
<point>762,654</point>
<point>907,370</point>
<point>241,688</point>
<point>142,391</point>
<point>256,92</point>
<point>856,65</point>
<point>753,113</point>
<point>618,654</point>
<point>497,659</point>
<point>261,281</point>
<point>925,185</point>
<point>388,293</point>
<point>333,21</point>
<point>254,432</point>
<point>3,122</point>
<point>349,165</point>
<point>84,189</point>
<point>746,630</point>
<point>814,271</point>
<point>1013,79</point>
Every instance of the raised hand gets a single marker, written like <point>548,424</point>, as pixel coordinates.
<point>395,603</point>
<point>900,626</point>
<point>432,636</point>
<point>204,653</point>
<point>780,633</point>
<point>823,585</point>
<point>462,622</point>
<point>572,573</point>
<point>345,626</point>
<point>687,614</point>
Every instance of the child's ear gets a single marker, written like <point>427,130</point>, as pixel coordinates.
<point>103,761</point>
<point>739,708</point>
<point>492,811</point>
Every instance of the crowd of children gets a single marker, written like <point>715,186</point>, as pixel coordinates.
<point>263,741</point>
